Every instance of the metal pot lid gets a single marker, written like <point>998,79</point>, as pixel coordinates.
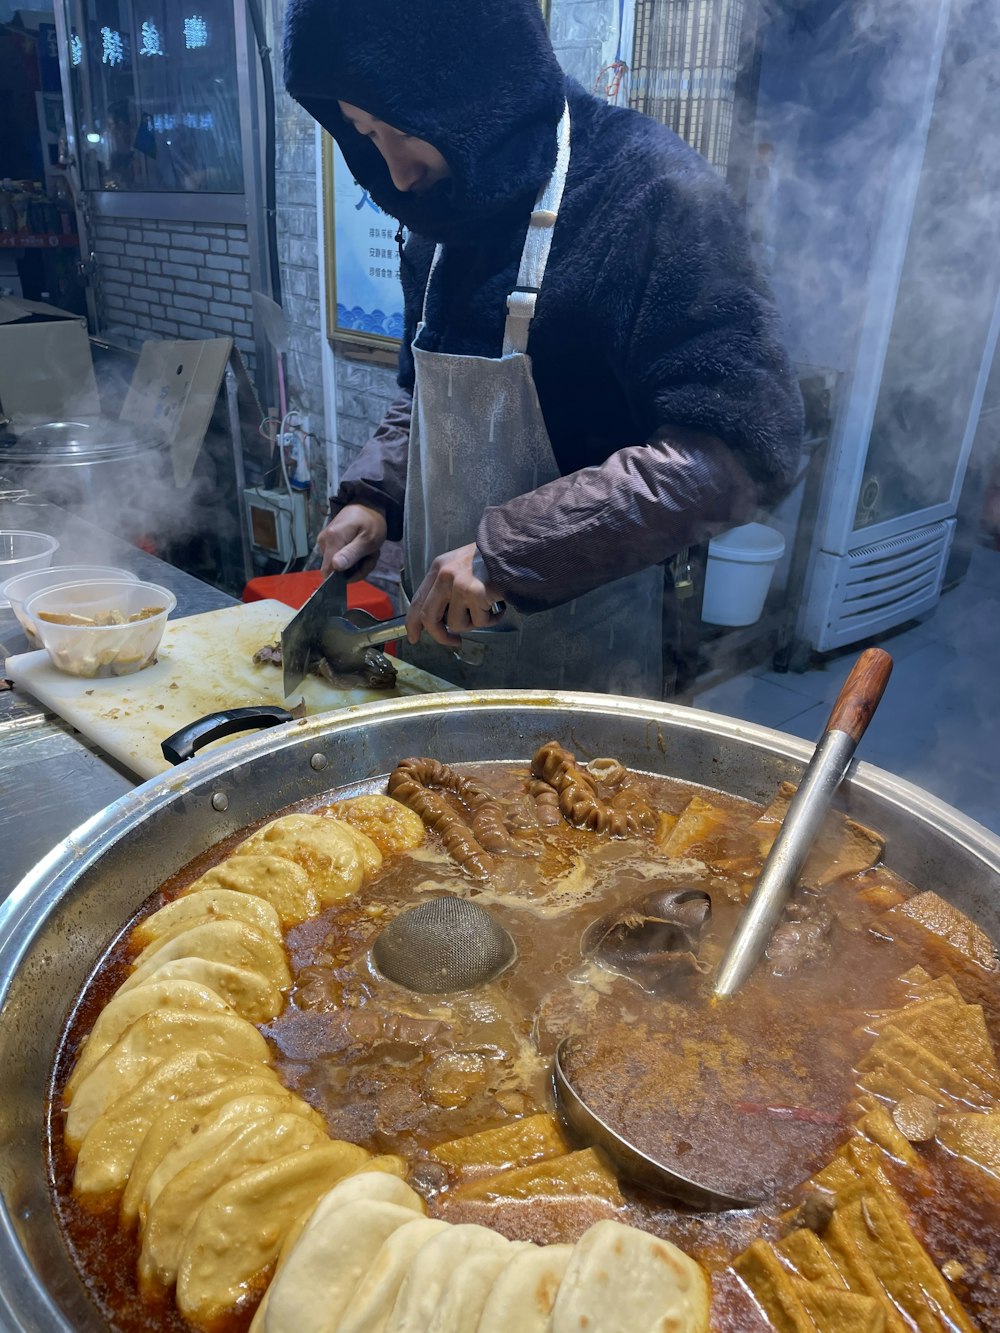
<point>82,440</point>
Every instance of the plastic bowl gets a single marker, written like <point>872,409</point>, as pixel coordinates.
<point>101,650</point>
<point>20,590</point>
<point>24,551</point>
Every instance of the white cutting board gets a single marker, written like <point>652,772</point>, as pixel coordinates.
<point>204,665</point>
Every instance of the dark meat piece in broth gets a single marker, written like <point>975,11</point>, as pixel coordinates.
<point>652,940</point>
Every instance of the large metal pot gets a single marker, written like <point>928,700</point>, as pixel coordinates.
<point>63,915</point>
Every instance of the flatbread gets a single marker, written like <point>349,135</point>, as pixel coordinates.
<point>264,1139</point>
<point>465,1292</point>
<point>221,941</point>
<point>246,991</point>
<point>151,1039</point>
<point>276,880</point>
<point>380,1178</point>
<point>335,856</point>
<point>431,1269</point>
<point>108,1152</point>
<point>391,825</point>
<point>371,1305</point>
<point>332,1255</point>
<point>229,1252</point>
<point>178,1118</point>
<point>620,1279</point>
<point>523,1295</point>
<point>121,1012</point>
<point>206,903</point>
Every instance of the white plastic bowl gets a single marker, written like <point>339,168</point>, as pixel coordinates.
<point>20,589</point>
<point>24,551</point>
<point>101,650</point>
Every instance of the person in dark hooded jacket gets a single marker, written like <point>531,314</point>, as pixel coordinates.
<point>592,376</point>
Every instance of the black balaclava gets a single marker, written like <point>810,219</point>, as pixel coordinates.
<point>476,78</point>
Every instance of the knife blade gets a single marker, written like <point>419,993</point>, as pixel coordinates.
<point>301,639</point>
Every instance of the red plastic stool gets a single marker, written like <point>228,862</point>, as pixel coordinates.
<point>294,589</point>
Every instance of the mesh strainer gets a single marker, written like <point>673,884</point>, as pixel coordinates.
<point>444,944</point>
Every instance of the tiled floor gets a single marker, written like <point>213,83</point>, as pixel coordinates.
<point>939,722</point>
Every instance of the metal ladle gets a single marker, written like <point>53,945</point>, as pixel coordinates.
<point>853,710</point>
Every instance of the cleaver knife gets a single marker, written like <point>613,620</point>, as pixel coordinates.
<point>301,639</point>
<point>325,628</point>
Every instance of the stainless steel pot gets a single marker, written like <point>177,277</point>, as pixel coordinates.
<point>64,914</point>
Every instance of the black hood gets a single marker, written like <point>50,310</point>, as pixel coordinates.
<point>477,80</point>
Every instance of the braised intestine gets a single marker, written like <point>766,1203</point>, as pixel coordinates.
<point>625,814</point>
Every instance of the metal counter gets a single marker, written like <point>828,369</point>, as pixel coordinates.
<point>51,777</point>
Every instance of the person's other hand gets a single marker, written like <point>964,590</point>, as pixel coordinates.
<point>352,541</point>
<point>451,599</point>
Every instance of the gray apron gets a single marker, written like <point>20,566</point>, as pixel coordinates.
<point>478,438</point>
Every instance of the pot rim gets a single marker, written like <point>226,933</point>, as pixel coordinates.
<point>44,884</point>
<point>26,1303</point>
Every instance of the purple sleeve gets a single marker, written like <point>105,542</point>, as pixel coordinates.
<point>377,477</point>
<point>639,508</point>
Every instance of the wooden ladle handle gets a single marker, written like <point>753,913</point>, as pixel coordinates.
<point>861,692</point>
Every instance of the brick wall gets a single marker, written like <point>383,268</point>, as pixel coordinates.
<point>175,280</point>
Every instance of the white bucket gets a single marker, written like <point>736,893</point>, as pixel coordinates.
<point>741,564</point>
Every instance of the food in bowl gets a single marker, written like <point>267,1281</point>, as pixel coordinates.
<point>102,628</point>
<point>852,1084</point>
<point>21,552</point>
<point>18,591</point>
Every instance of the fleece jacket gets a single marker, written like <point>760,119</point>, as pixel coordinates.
<point>656,349</point>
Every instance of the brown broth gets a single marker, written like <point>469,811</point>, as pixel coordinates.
<point>748,1094</point>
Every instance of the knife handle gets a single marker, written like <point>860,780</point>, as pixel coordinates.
<point>185,744</point>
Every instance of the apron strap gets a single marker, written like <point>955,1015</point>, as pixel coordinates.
<point>535,255</point>
<point>438,250</point>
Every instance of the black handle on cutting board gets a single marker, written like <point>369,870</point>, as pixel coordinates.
<point>185,744</point>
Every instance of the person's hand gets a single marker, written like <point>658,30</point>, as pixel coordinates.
<point>352,540</point>
<point>451,599</point>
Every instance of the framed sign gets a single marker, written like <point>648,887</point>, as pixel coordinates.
<point>363,292</point>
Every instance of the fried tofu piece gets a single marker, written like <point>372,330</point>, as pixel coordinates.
<point>878,1126</point>
<point>238,1231</point>
<point>246,991</point>
<point>803,1251</point>
<point>943,919</point>
<point>264,1138</point>
<point>843,846</point>
<point>918,1063</point>
<point>620,1279</point>
<point>179,1117</point>
<point>276,880</point>
<point>203,904</point>
<point>121,1012</point>
<point>697,822</point>
<point>151,1039</point>
<point>874,1227</point>
<point>834,1310</point>
<point>570,1175</point>
<point>974,1137</point>
<point>773,1288</point>
<point>109,1149</point>
<point>392,826</point>
<point>221,941</point>
<point>335,855</point>
<point>517,1143</point>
